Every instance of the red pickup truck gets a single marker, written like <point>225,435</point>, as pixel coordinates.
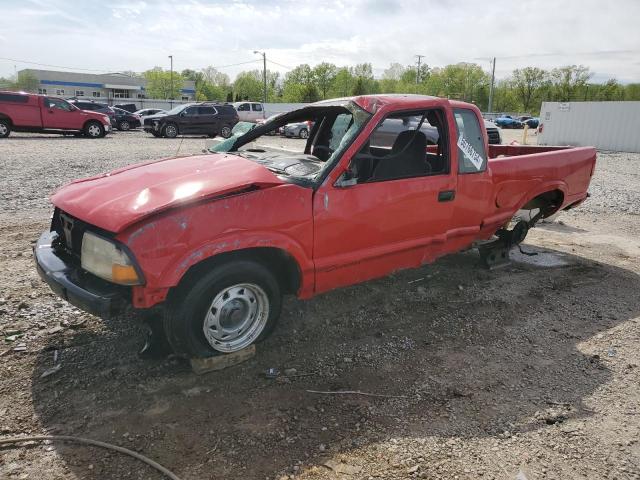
<point>211,242</point>
<point>24,112</point>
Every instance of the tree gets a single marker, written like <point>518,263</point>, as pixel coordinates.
<point>324,74</point>
<point>394,72</point>
<point>527,83</point>
<point>248,85</point>
<point>159,83</point>
<point>342,83</point>
<point>568,80</point>
<point>26,82</point>
<point>213,76</point>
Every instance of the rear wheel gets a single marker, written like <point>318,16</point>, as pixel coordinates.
<point>94,129</point>
<point>227,309</point>
<point>226,131</point>
<point>5,128</point>
<point>304,133</point>
<point>171,130</point>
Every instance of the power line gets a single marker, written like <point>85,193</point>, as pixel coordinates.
<point>280,65</point>
<point>53,66</point>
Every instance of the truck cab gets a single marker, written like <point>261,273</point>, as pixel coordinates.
<point>249,111</point>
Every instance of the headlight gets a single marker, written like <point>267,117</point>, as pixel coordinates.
<point>104,259</point>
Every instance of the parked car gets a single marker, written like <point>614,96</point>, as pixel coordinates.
<point>276,131</point>
<point>126,120</point>
<point>129,107</point>
<point>299,129</point>
<point>532,122</point>
<point>92,106</point>
<point>523,118</point>
<point>249,111</point>
<point>206,245</point>
<point>508,122</point>
<point>493,132</point>
<point>25,112</point>
<point>193,118</point>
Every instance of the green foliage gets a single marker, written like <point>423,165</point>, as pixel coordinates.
<point>161,84</point>
<point>27,82</point>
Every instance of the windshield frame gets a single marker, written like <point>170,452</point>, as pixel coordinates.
<point>320,108</point>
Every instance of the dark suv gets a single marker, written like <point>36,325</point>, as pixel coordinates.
<point>193,118</point>
<point>95,107</point>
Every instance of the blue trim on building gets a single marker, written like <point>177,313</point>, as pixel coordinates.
<point>72,84</point>
<point>188,90</point>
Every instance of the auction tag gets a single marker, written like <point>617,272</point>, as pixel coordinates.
<point>474,157</point>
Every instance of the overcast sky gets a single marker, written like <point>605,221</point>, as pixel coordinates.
<point>135,35</point>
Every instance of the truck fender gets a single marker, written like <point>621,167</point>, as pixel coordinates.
<point>248,240</point>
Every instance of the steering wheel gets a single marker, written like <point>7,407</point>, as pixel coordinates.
<point>321,148</point>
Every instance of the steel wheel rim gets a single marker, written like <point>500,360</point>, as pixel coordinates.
<point>94,130</point>
<point>124,125</point>
<point>225,131</point>
<point>171,131</point>
<point>236,317</point>
<point>3,129</point>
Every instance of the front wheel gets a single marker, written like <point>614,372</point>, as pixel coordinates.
<point>94,130</point>
<point>5,129</point>
<point>227,309</point>
<point>124,126</point>
<point>226,131</point>
<point>171,131</point>
<point>304,133</point>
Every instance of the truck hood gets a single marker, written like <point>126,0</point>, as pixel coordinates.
<point>115,200</point>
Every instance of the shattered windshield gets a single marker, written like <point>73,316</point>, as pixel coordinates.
<point>299,144</point>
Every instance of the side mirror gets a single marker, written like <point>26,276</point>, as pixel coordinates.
<point>347,179</point>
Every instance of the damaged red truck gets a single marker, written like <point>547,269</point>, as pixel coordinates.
<point>211,242</point>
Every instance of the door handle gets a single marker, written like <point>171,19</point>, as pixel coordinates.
<point>446,195</point>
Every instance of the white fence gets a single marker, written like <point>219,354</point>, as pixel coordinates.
<point>605,125</point>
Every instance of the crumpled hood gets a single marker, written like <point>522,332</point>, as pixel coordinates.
<point>115,200</point>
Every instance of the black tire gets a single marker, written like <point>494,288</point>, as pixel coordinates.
<point>304,133</point>
<point>188,307</point>
<point>124,126</point>
<point>170,130</point>
<point>94,129</point>
<point>5,128</point>
<point>225,132</point>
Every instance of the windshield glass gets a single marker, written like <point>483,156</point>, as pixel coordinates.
<point>176,110</point>
<point>299,144</point>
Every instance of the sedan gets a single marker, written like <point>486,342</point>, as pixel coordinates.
<point>300,129</point>
<point>126,120</point>
<point>508,122</point>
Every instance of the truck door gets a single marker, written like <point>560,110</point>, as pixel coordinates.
<point>60,114</point>
<point>475,187</point>
<point>391,209</point>
<point>244,112</point>
<point>256,111</point>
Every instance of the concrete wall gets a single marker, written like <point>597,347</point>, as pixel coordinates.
<point>605,125</point>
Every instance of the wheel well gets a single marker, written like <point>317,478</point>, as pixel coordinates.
<point>279,262</point>
<point>4,117</point>
<point>91,120</point>
<point>548,202</point>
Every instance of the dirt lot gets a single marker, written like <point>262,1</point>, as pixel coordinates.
<point>530,368</point>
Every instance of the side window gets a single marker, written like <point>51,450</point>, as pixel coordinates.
<point>59,104</point>
<point>404,145</point>
<point>472,157</point>
<point>191,111</point>
<point>256,107</point>
<point>207,111</point>
<point>244,107</point>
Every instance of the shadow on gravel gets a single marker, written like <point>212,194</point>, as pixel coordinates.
<point>473,353</point>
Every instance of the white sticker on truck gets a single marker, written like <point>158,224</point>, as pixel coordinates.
<point>474,157</point>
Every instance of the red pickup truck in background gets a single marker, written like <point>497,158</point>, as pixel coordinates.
<point>211,242</point>
<point>25,112</point>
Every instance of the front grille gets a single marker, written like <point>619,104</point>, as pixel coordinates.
<point>494,135</point>
<point>70,231</point>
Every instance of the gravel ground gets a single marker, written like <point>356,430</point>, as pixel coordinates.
<point>525,369</point>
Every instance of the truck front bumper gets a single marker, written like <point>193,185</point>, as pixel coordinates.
<point>76,286</point>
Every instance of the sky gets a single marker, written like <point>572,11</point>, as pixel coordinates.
<point>121,35</point>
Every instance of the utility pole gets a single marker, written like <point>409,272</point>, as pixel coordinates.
<point>493,78</point>
<point>264,78</point>
<point>171,91</point>
<point>419,57</point>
